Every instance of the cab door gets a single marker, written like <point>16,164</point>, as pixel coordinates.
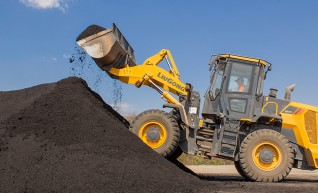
<point>239,89</point>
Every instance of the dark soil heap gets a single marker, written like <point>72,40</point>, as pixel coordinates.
<point>62,137</point>
<point>90,30</point>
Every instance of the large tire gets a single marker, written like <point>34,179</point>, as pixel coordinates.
<point>177,153</point>
<point>265,156</point>
<point>159,130</point>
<point>239,169</point>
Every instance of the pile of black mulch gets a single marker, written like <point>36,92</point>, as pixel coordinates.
<point>62,137</point>
<point>90,30</point>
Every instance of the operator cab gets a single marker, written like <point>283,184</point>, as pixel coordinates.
<point>236,84</point>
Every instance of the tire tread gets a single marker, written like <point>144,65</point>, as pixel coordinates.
<point>248,171</point>
<point>167,152</point>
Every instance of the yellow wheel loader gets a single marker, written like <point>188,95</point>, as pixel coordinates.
<point>265,136</point>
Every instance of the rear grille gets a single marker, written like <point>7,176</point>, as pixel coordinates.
<point>311,126</point>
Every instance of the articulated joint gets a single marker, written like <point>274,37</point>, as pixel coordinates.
<point>139,83</point>
<point>170,98</point>
<point>157,58</point>
<point>181,110</point>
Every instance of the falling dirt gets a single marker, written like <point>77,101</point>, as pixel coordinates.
<point>84,67</point>
<point>117,95</point>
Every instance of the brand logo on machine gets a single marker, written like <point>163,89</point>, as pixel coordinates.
<point>170,81</point>
<point>293,110</point>
<point>288,112</point>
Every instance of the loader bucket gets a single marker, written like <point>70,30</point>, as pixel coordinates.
<point>108,47</point>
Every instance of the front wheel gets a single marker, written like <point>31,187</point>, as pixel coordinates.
<point>157,129</point>
<point>265,156</point>
<point>239,169</point>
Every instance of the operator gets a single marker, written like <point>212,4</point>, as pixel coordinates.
<point>240,84</point>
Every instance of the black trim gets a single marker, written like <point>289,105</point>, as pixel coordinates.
<point>179,108</point>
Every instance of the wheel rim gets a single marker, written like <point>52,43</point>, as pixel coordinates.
<point>267,156</point>
<point>153,134</point>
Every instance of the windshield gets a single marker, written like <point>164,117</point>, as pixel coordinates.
<point>240,77</point>
<point>216,80</point>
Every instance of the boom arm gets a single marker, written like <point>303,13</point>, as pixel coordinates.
<point>150,74</point>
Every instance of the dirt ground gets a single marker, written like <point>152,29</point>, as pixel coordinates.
<point>62,137</point>
<point>297,181</point>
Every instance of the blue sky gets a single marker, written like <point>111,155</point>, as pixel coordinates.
<point>37,37</point>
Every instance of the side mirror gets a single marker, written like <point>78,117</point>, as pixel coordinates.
<point>269,68</point>
<point>211,63</point>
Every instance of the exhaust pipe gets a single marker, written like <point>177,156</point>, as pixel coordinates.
<point>108,47</point>
<point>288,91</point>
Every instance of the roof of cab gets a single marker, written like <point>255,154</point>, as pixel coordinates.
<point>263,62</point>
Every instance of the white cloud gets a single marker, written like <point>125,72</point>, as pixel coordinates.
<point>67,56</point>
<point>49,59</point>
<point>46,4</point>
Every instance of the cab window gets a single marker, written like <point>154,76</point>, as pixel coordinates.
<point>216,80</point>
<point>240,79</point>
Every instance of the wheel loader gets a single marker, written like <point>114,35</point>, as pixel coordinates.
<point>265,136</point>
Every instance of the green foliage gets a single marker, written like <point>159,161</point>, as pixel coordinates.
<point>197,160</point>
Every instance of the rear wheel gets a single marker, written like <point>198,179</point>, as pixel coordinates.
<point>159,130</point>
<point>266,156</point>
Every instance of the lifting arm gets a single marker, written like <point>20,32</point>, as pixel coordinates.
<point>150,74</point>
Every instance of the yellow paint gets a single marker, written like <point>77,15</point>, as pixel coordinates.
<point>168,80</point>
<point>150,73</point>
<point>170,98</point>
<point>311,126</point>
<point>277,159</point>
<point>246,120</point>
<point>201,123</point>
<point>248,59</point>
<point>142,134</point>
<point>296,122</point>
